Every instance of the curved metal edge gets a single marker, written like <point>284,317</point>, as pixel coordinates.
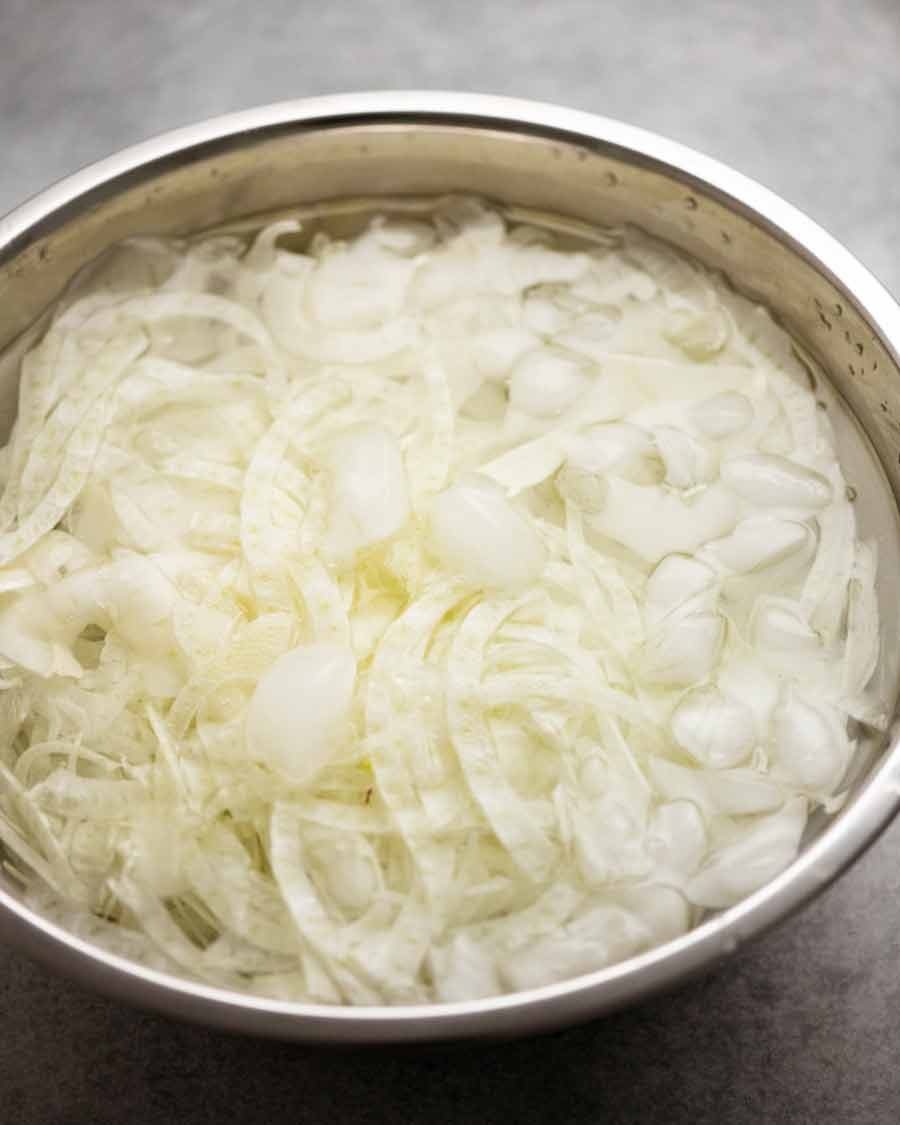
<point>584,997</point>
<point>505,113</point>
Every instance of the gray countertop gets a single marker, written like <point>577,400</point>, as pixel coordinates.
<point>804,96</point>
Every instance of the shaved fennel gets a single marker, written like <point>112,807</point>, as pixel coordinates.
<point>420,616</point>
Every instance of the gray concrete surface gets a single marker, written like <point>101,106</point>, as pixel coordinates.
<point>805,96</point>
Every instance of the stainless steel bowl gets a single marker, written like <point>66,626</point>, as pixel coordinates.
<point>560,162</point>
